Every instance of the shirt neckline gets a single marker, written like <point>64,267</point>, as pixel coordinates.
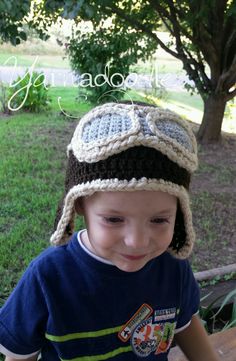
<point>94,263</point>
<point>91,254</point>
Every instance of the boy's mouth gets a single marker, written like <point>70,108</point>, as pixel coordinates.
<point>133,258</point>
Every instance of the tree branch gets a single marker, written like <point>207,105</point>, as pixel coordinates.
<point>187,58</point>
<point>163,16</point>
<point>139,26</point>
<point>163,13</point>
<point>201,35</point>
<point>200,68</point>
<point>227,79</point>
<point>230,95</point>
<point>201,80</point>
<point>231,42</point>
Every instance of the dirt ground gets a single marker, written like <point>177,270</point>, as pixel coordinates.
<point>213,195</point>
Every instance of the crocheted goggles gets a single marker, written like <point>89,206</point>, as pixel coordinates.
<point>129,147</point>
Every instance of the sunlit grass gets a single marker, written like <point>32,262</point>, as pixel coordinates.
<point>32,168</point>
<point>43,61</point>
<point>189,106</point>
<point>33,148</point>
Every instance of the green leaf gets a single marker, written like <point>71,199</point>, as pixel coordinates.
<point>15,40</point>
<point>230,295</point>
<point>23,35</point>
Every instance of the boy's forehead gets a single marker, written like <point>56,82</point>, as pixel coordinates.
<point>120,199</point>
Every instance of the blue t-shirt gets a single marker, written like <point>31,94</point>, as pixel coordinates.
<point>72,306</point>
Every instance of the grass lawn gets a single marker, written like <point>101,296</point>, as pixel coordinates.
<point>32,167</point>
<point>33,158</point>
<point>33,154</point>
<point>51,55</point>
<point>161,65</point>
<point>188,106</point>
<point>43,61</point>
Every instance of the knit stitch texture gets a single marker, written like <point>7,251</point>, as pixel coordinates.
<point>129,147</point>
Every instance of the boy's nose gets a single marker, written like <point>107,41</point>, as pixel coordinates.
<point>136,238</point>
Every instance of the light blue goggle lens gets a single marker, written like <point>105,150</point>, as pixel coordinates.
<point>102,128</point>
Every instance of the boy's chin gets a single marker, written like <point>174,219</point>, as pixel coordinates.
<point>130,266</point>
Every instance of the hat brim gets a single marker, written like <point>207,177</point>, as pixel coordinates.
<point>60,236</point>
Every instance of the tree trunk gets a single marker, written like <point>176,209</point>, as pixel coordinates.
<point>210,128</point>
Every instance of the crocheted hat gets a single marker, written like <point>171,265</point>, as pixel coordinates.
<point>128,147</point>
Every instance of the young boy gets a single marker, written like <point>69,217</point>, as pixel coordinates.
<point>121,289</point>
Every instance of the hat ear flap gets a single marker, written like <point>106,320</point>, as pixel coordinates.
<point>70,181</point>
<point>69,229</point>
<point>58,213</point>
<point>179,238</point>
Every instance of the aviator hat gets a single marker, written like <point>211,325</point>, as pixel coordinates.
<point>129,147</point>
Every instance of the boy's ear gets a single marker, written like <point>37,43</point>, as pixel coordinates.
<point>79,206</point>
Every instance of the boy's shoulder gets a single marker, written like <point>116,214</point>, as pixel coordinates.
<point>170,265</point>
<point>172,261</point>
<point>54,257</point>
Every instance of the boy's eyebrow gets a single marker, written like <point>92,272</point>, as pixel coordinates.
<point>161,212</point>
<point>109,210</point>
<point>167,211</point>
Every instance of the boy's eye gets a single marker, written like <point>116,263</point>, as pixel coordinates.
<point>113,219</point>
<point>159,220</point>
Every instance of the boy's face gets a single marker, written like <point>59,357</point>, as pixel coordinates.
<point>128,228</point>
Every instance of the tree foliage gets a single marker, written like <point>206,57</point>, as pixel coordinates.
<point>17,16</point>
<point>105,63</point>
<point>203,38</point>
<point>11,15</point>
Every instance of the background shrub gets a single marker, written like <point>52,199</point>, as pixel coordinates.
<point>29,93</point>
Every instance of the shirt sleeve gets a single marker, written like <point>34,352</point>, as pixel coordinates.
<point>24,316</point>
<point>190,297</point>
<point>8,353</point>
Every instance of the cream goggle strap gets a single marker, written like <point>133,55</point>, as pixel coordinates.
<point>112,128</point>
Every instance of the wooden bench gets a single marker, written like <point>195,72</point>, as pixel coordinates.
<point>223,342</point>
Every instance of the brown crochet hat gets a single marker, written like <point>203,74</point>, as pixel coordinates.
<point>128,147</point>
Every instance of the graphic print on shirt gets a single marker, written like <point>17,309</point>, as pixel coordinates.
<point>150,332</point>
<point>142,314</point>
